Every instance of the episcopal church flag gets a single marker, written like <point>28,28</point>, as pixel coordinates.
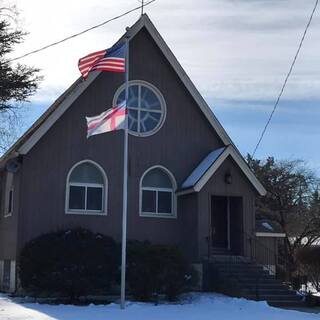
<point>110,120</point>
<point>112,60</point>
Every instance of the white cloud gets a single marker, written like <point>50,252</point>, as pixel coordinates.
<point>243,48</point>
<point>233,50</point>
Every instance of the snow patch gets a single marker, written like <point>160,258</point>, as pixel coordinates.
<point>193,306</point>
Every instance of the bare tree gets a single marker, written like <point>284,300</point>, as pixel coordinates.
<point>292,202</point>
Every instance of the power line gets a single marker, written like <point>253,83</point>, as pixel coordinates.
<point>286,80</point>
<point>82,32</point>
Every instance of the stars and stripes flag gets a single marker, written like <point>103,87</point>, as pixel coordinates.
<point>112,60</point>
<point>110,120</point>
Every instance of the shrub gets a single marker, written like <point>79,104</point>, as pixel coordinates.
<point>309,264</point>
<point>157,269</point>
<point>73,263</point>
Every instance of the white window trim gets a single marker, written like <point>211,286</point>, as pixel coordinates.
<point>8,213</point>
<point>172,215</point>
<point>104,187</point>
<point>157,92</point>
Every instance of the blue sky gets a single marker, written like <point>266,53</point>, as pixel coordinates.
<point>237,52</point>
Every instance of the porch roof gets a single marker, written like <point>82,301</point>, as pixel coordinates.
<point>267,228</point>
<point>210,164</point>
<point>202,168</point>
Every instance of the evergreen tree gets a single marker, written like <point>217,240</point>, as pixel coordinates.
<point>17,81</point>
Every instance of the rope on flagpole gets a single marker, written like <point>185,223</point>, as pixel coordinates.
<point>81,33</point>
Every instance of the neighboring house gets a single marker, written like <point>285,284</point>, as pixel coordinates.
<point>188,184</point>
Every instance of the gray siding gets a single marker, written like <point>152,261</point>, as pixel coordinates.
<point>240,187</point>
<point>188,211</point>
<point>184,139</point>
<point>9,225</point>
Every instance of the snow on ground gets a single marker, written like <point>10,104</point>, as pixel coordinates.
<point>194,307</point>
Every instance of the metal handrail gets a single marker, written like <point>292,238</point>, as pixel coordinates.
<point>267,255</point>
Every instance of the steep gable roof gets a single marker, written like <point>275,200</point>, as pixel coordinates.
<point>57,109</point>
<point>211,163</point>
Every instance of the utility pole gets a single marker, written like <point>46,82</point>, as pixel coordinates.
<point>142,5</point>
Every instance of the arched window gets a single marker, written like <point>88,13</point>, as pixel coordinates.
<point>157,193</point>
<point>146,105</point>
<point>86,188</point>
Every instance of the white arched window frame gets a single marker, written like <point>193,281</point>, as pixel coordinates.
<point>157,191</point>
<point>86,189</point>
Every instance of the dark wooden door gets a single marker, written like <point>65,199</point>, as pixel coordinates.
<point>236,225</point>
<point>219,222</point>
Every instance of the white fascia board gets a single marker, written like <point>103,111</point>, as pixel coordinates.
<point>60,110</point>
<point>271,234</point>
<point>230,150</point>
<point>184,192</point>
<point>205,178</point>
<point>247,171</point>
<point>183,77</point>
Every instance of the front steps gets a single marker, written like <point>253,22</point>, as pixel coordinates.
<point>253,281</point>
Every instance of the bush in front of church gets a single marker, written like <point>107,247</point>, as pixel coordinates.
<point>155,270</point>
<point>70,263</point>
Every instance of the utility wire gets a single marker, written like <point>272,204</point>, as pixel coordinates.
<point>286,80</point>
<point>82,32</point>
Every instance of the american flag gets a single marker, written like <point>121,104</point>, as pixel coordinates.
<point>110,120</point>
<point>112,59</point>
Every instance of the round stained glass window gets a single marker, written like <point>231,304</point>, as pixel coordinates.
<point>146,107</point>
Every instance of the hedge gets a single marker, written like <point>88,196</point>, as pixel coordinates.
<point>157,269</point>
<point>70,262</point>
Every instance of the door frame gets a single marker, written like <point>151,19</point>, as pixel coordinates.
<point>228,196</point>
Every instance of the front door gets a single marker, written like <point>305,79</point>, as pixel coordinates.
<point>219,222</point>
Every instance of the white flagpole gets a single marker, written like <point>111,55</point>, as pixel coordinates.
<point>125,187</point>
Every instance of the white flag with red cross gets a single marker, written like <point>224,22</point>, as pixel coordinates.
<point>110,120</point>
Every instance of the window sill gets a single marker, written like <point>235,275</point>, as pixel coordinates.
<point>86,213</point>
<point>156,215</point>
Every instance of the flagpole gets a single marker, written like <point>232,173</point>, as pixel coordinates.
<point>125,187</point>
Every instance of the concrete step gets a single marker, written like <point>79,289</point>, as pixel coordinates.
<point>262,286</point>
<point>260,291</point>
<point>220,251</point>
<point>257,282</point>
<point>275,297</point>
<point>254,281</point>
<point>288,304</point>
<point>238,266</point>
<point>246,274</point>
<point>228,258</point>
